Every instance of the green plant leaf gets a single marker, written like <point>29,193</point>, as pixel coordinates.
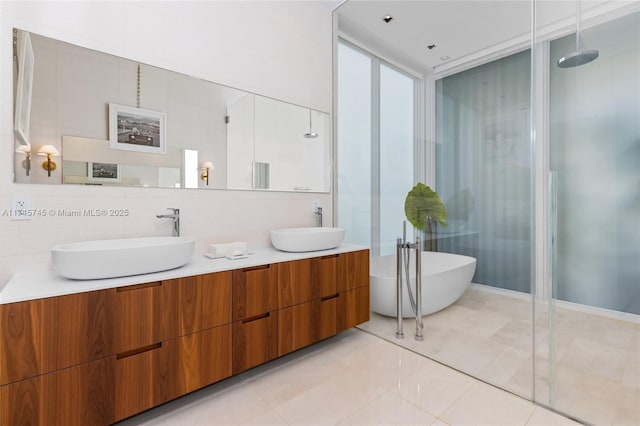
<point>423,203</point>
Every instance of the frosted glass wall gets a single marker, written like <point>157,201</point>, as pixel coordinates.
<point>354,147</point>
<point>595,151</point>
<point>396,153</point>
<point>483,169</point>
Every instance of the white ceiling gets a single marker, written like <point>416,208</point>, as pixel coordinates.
<point>459,28</point>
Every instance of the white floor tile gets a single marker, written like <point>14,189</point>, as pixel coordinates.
<point>388,409</point>
<point>434,388</point>
<point>485,405</point>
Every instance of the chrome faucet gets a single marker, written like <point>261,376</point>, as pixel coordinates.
<point>176,220</point>
<point>318,213</point>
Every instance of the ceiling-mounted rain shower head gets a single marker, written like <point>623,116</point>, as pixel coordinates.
<point>310,134</point>
<point>579,57</point>
<point>576,59</point>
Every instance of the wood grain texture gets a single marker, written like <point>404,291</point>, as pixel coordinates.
<point>204,358</point>
<point>327,311</point>
<point>74,329</point>
<point>255,342</point>
<point>45,335</point>
<point>297,326</point>
<point>255,291</point>
<point>324,275</point>
<point>352,308</point>
<point>100,392</point>
<point>143,315</point>
<point>21,344</point>
<point>133,385</point>
<point>216,299</point>
<point>294,283</point>
<point>65,397</point>
<point>190,302</point>
<point>353,270</point>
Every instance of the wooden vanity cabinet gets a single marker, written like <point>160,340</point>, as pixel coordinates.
<point>320,297</point>
<point>102,356</point>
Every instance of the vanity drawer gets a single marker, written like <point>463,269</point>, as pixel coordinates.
<point>327,311</point>
<point>297,326</point>
<point>80,395</point>
<point>255,341</point>
<point>44,335</point>
<point>324,275</point>
<point>255,291</point>
<point>205,358</point>
<point>145,377</point>
<point>143,314</point>
<point>353,270</point>
<point>352,308</point>
<point>294,283</point>
<point>204,301</point>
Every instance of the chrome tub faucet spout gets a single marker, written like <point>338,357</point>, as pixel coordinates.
<point>176,220</point>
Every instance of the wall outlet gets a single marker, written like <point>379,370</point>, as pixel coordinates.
<point>21,208</point>
<point>316,204</point>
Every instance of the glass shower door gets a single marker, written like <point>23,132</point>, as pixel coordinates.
<point>594,159</point>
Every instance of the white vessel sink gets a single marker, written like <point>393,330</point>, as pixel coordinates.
<point>90,260</point>
<point>306,239</point>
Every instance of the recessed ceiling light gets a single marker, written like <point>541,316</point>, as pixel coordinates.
<point>444,58</point>
<point>387,18</point>
<point>431,46</point>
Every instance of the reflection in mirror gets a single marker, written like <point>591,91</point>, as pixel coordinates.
<point>120,123</point>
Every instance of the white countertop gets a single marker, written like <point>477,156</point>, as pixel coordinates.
<point>38,284</point>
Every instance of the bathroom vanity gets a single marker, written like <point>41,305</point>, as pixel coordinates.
<point>95,352</point>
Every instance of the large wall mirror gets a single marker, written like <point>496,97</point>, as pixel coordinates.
<point>88,118</point>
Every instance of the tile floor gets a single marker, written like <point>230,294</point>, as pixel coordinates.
<point>596,363</point>
<point>354,378</point>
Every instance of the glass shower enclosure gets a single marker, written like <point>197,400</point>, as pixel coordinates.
<point>539,168</point>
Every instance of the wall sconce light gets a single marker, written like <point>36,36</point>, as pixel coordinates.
<point>206,166</point>
<point>49,151</point>
<point>26,163</point>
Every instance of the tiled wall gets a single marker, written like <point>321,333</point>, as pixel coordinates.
<point>277,49</point>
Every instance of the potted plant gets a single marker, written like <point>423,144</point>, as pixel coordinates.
<point>422,207</point>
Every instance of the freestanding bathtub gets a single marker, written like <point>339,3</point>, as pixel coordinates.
<point>445,277</point>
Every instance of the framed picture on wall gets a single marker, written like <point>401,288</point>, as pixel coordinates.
<point>103,172</point>
<point>137,129</point>
<point>24,87</point>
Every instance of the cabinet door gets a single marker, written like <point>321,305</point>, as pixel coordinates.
<point>255,341</point>
<point>146,377</point>
<point>143,314</point>
<point>294,283</point>
<point>45,335</point>
<point>297,327</point>
<point>255,291</point>
<point>205,358</point>
<point>205,301</point>
<point>353,270</point>
<point>78,395</point>
<point>352,308</point>
<point>324,275</point>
